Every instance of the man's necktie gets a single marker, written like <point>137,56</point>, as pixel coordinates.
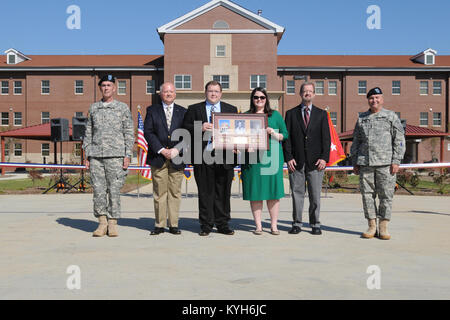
<point>169,116</point>
<point>213,109</point>
<point>306,116</point>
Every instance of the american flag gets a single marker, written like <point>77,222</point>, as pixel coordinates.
<point>143,149</point>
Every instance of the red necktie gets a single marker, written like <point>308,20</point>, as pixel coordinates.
<point>306,116</point>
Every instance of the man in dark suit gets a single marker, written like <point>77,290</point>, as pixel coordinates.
<point>306,151</point>
<point>161,121</point>
<point>213,178</point>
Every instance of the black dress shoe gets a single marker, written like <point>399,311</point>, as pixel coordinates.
<point>295,230</point>
<point>226,231</point>
<point>157,231</point>
<point>204,233</point>
<point>316,231</point>
<point>174,230</point>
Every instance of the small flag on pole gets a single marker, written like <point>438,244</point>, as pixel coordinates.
<point>336,151</point>
<point>143,149</point>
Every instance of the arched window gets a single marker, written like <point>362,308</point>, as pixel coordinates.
<point>220,24</point>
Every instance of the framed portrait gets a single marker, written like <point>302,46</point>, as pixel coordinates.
<point>240,131</point>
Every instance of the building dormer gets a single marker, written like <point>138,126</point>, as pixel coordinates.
<point>427,57</point>
<point>15,57</point>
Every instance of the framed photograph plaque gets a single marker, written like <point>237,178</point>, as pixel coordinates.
<point>240,131</point>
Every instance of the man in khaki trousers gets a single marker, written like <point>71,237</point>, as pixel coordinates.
<point>161,121</point>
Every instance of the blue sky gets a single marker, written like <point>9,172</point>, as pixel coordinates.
<point>312,27</point>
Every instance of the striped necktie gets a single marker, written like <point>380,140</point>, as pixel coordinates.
<point>306,116</point>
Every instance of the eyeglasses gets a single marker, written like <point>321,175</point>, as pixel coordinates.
<point>259,97</point>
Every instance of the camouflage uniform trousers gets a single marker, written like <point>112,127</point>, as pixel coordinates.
<point>107,178</point>
<point>373,181</point>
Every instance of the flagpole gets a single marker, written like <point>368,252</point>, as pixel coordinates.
<point>139,172</point>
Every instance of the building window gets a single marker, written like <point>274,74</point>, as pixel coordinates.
<point>224,80</point>
<point>45,117</point>
<point>17,118</point>
<point>437,87</point>
<point>150,87</point>
<point>79,87</point>
<point>429,59</point>
<point>17,149</point>
<point>122,88</point>
<point>362,87</point>
<point>424,119</point>
<point>221,51</point>
<point>396,87</point>
<point>319,87</point>
<point>290,87</point>
<point>333,117</point>
<point>437,119</point>
<point>183,81</point>
<point>332,88</point>
<point>258,80</point>
<point>423,88</point>
<point>77,149</point>
<point>18,87</point>
<point>79,114</point>
<point>45,87</point>
<point>11,59</point>
<point>45,149</point>
<point>5,118</point>
<point>5,87</point>
<point>6,149</point>
<point>220,24</point>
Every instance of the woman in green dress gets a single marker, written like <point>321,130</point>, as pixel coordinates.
<point>263,179</point>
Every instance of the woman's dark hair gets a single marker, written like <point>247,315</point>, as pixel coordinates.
<point>267,108</point>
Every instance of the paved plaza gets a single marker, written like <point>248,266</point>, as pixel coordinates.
<point>42,236</point>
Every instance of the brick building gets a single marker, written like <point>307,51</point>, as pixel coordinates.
<point>226,42</point>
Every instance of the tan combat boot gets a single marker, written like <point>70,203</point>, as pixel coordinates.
<point>112,228</point>
<point>384,234</point>
<point>370,233</point>
<point>102,227</point>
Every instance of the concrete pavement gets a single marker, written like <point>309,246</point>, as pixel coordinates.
<point>42,236</point>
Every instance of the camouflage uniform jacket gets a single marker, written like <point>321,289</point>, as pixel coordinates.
<point>109,131</point>
<point>378,139</point>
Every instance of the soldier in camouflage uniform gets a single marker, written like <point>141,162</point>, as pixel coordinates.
<point>108,146</point>
<point>377,151</point>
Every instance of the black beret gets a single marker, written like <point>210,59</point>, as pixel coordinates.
<point>107,77</point>
<point>373,91</point>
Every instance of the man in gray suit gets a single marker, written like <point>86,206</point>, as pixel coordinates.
<point>306,151</point>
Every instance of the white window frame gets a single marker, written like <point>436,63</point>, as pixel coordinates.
<point>45,87</point>
<point>9,57</point>
<point>17,87</point>
<point>437,119</point>
<point>4,86</point>
<point>290,89</point>
<point>47,150</point>
<point>78,87</point>
<point>42,117</point>
<point>122,85</point>
<point>320,87</point>
<point>150,89</point>
<point>423,118</point>
<point>18,119</point>
<point>333,119</point>
<point>426,59</point>
<point>399,88</point>
<point>258,81</point>
<point>221,51</point>
<point>440,88</point>
<point>332,87</point>
<point>423,88</point>
<point>77,149</point>
<point>221,79</point>
<point>185,79</point>
<point>17,148</point>
<point>361,87</point>
<point>4,118</point>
